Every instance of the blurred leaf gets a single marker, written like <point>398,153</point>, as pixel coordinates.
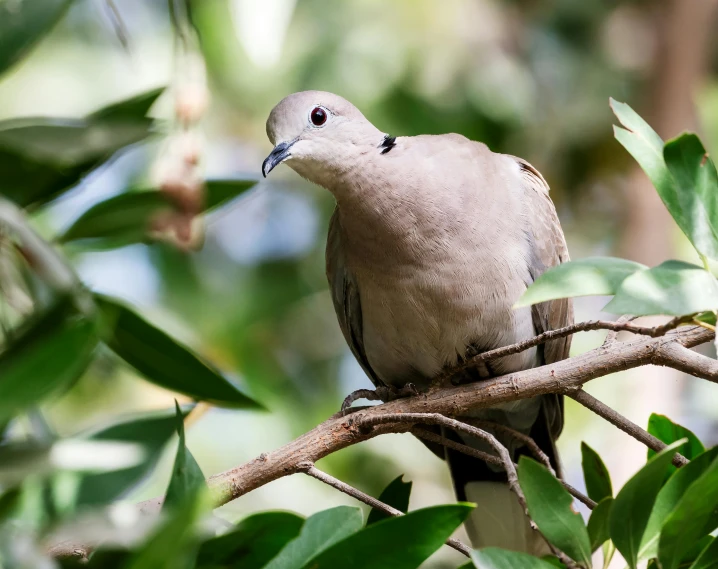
<point>592,276</point>
<point>8,502</point>
<point>496,558</point>
<point>674,288</point>
<point>669,496</point>
<point>175,544</point>
<point>697,189</point>
<point>126,218</point>
<point>165,361</point>
<point>598,530</point>
<point>669,432</point>
<point>23,24</point>
<point>42,157</point>
<point>252,543</point>
<point>695,516</point>
<point>48,355</point>
<point>187,479</point>
<point>595,473</point>
<point>402,542</point>
<point>319,532</point>
<point>396,494</point>
<point>549,505</point>
<point>152,431</point>
<point>708,559</point>
<point>633,504</point>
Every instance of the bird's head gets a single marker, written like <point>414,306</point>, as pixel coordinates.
<point>319,135</point>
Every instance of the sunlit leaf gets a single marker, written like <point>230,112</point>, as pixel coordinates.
<point>126,218</point>
<point>152,431</point>
<point>598,529</point>
<point>402,542</point>
<point>673,288</point>
<point>550,506</point>
<point>23,24</point>
<point>48,355</point>
<point>669,496</point>
<point>592,276</point>
<point>319,532</point>
<point>632,507</point>
<point>163,360</point>
<point>697,187</point>
<point>252,543</point>
<point>595,474</point>
<point>495,558</point>
<point>187,479</point>
<point>42,157</point>
<point>694,516</point>
<point>396,494</point>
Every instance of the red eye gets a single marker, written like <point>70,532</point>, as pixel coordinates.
<point>318,116</point>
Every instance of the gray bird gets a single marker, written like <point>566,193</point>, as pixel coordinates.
<point>433,240</point>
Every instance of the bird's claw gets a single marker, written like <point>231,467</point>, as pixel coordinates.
<point>382,393</point>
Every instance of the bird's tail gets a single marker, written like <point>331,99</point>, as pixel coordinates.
<point>498,519</point>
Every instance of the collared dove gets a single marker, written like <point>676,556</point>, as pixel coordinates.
<point>433,240</point>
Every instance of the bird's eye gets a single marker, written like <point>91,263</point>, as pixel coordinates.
<point>318,116</point>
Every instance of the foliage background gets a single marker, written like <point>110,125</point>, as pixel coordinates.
<point>528,77</point>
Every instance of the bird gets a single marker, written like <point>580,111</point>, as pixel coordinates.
<point>433,240</point>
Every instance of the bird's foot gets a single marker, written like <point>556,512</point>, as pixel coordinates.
<point>383,393</point>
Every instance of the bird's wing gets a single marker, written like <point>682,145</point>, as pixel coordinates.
<point>548,249</point>
<point>345,296</point>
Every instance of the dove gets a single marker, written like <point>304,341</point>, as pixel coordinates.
<point>433,240</point>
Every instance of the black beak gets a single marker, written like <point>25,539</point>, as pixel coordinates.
<point>276,156</point>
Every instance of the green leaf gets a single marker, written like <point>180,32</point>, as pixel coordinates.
<point>152,431</point>
<point>633,504</point>
<point>319,532</point>
<point>23,24</point>
<point>595,474</point>
<point>125,218</point>
<point>598,530</point>
<point>174,544</point>
<point>697,189</point>
<point>402,542</point>
<point>695,516</point>
<point>252,543</point>
<point>669,432</point>
<point>674,288</point>
<point>9,501</point>
<point>549,505</point>
<point>592,276</point>
<point>41,157</point>
<point>708,559</point>
<point>669,496</point>
<point>165,361</point>
<point>187,480</point>
<point>48,355</point>
<point>396,494</point>
<point>496,558</point>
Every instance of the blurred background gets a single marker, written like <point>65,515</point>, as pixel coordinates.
<point>527,77</point>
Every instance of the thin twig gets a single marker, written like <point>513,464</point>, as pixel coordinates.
<point>587,326</point>
<point>501,451</point>
<point>311,470</point>
<point>627,426</point>
<point>612,335</point>
<point>540,455</point>
<point>490,458</point>
<point>118,24</point>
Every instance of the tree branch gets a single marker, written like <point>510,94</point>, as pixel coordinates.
<point>310,470</point>
<point>566,376</point>
<point>627,426</point>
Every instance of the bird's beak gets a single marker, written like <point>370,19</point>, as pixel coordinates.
<point>276,156</point>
